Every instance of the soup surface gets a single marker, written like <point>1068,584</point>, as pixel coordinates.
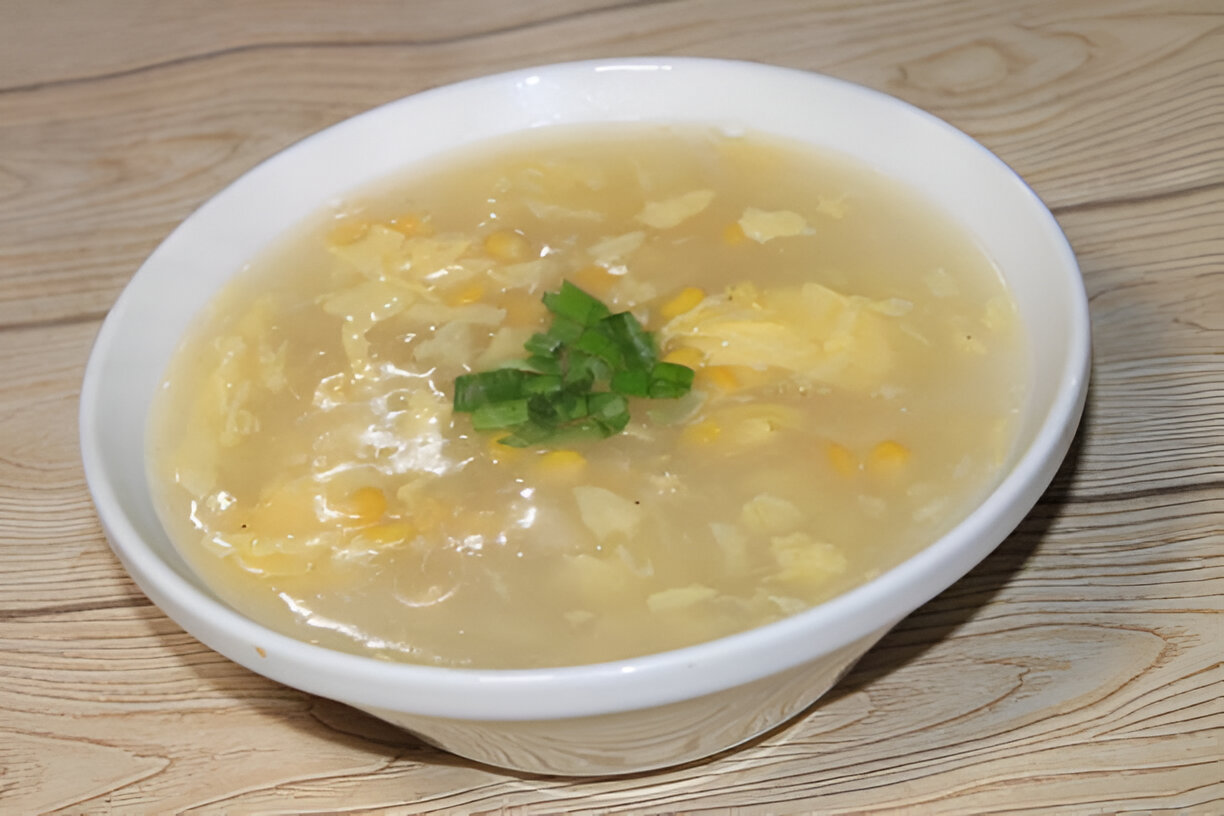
<point>858,368</point>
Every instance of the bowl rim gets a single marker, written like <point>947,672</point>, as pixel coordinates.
<point>633,683</point>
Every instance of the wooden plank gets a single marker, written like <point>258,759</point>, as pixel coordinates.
<point>1076,669</point>
<point>94,172</point>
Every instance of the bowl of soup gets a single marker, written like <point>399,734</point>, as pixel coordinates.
<point>588,418</point>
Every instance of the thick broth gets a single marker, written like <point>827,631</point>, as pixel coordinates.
<point>859,367</point>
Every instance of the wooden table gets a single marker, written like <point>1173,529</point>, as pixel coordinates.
<point>1078,669</point>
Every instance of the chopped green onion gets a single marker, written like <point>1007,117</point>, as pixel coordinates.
<point>540,364</point>
<point>572,406</point>
<point>635,342</point>
<point>543,345</point>
<point>499,385</point>
<point>565,330</point>
<point>667,390</point>
<point>528,434</point>
<point>495,415</point>
<point>632,382</point>
<point>673,373</point>
<point>577,378</point>
<point>575,304</point>
<point>609,410</point>
<point>580,374</point>
<point>544,384</point>
<point>600,345</point>
<point>670,380</point>
<point>589,428</point>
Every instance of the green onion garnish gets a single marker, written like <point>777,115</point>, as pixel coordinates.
<point>505,414</point>
<point>632,382</point>
<point>670,380</point>
<point>577,378</point>
<point>576,305</point>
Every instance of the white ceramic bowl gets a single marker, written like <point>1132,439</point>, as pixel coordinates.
<point>659,709</point>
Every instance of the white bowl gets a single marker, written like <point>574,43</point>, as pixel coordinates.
<point>658,709</point>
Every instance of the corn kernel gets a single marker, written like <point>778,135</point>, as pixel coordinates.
<point>507,246</point>
<point>595,280</point>
<point>468,293</point>
<point>685,356</point>
<point>392,532</point>
<point>522,309</point>
<point>348,232</point>
<point>733,234</point>
<point>561,464</point>
<point>410,224</point>
<point>685,301</point>
<point>723,377</point>
<point>842,459</point>
<point>365,505</point>
<point>888,458</point>
<point>701,433</point>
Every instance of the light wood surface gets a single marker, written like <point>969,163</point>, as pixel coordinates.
<point>1077,670</point>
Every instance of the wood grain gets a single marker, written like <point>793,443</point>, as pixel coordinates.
<point>1076,670</point>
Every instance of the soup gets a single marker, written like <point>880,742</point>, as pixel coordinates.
<point>843,369</point>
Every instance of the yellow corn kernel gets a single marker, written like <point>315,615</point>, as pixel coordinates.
<point>348,232</point>
<point>888,458</point>
<point>701,433</point>
<point>410,224</point>
<point>561,464</point>
<point>468,293</point>
<point>522,308</point>
<point>365,505</point>
<point>685,356</point>
<point>842,459</point>
<point>733,234</point>
<point>685,301</point>
<point>507,246</point>
<point>723,377</point>
<point>392,532</point>
<point>594,279</point>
